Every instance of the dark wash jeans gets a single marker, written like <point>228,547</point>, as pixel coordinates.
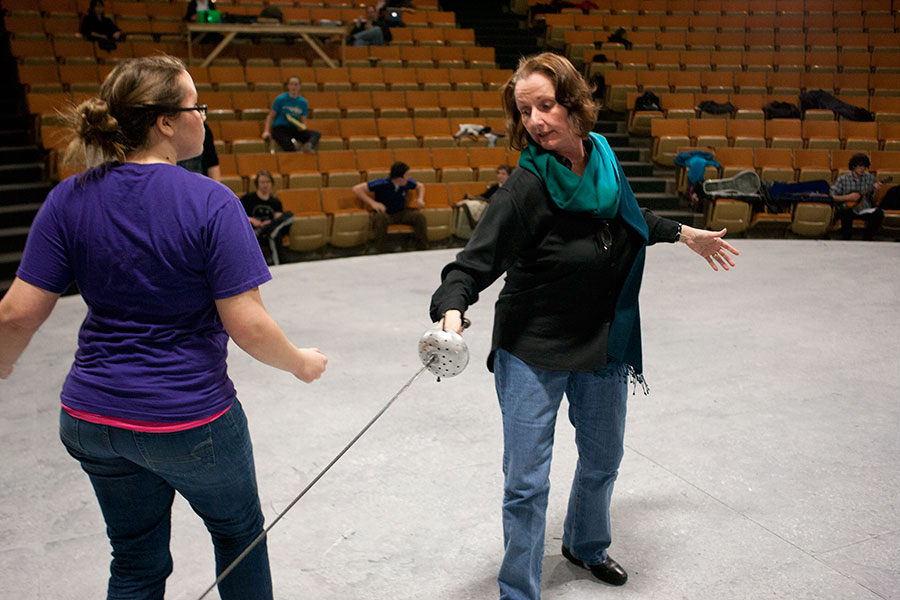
<point>135,476</point>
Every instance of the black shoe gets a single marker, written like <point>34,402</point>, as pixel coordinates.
<point>609,571</point>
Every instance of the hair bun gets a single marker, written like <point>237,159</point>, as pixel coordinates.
<point>95,124</point>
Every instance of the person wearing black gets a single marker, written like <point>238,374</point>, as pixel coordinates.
<point>387,198</point>
<point>206,163</point>
<point>370,30</point>
<point>267,215</point>
<point>570,236</point>
<point>97,27</point>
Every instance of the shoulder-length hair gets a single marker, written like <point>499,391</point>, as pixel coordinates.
<point>572,92</point>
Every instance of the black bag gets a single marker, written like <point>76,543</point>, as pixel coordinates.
<point>647,101</point>
<point>891,200</point>
<point>716,108</point>
<point>824,100</point>
<point>781,110</point>
<point>619,38</point>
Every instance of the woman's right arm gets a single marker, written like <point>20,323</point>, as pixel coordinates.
<point>503,231</point>
<point>252,328</point>
<point>23,310</point>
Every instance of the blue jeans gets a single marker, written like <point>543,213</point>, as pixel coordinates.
<point>529,400</point>
<point>135,476</point>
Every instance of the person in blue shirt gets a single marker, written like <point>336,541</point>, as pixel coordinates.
<point>286,122</point>
<point>387,197</point>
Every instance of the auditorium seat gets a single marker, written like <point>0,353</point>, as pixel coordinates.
<point>812,164</point>
<point>367,79</point>
<point>300,170</point>
<point>784,133</point>
<point>821,135</point>
<point>390,105</point>
<point>708,133</point>
<point>419,162</point>
<point>350,223</point>
<point>725,212</point>
<point>434,133</point>
<point>812,219</point>
<point>774,164</point>
<point>374,163</point>
<point>437,211</point>
<point>734,160</point>
<point>889,135</point>
<point>339,168</point>
<point>668,135</point>
<point>356,105</point>
<point>859,135</point>
<point>309,231</point>
<point>360,134</point>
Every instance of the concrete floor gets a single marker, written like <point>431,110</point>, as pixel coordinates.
<point>765,462</point>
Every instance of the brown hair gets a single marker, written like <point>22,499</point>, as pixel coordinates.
<point>132,97</point>
<point>264,173</point>
<point>572,92</point>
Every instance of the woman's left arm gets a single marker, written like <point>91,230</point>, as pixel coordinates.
<point>708,244</point>
<point>23,310</point>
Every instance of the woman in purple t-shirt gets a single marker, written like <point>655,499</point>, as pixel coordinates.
<point>169,267</point>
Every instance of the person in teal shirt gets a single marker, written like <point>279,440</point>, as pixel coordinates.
<point>286,122</point>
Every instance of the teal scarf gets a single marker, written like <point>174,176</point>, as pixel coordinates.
<point>598,191</point>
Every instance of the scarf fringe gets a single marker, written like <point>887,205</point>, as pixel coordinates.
<point>636,378</point>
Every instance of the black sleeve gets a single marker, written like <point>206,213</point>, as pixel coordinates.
<point>191,10</point>
<point>210,156</point>
<point>276,204</point>
<point>660,229</point>
<point>248,201</point>
<point>486,194</point>
<point>505,229</point>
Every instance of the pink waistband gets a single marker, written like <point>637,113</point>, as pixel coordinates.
<point>145,426</point>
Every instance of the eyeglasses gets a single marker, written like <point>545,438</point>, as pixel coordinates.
<point>202,109</point>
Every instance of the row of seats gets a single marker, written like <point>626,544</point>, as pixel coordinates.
<point>347,167</point>
<point>139,16</point>
<point>737,60</point>
<point>787,165</point>
<point>340,134</point>
<point>581,41</point>
<point>559,24</point>
<point>337,168</point>
<point>79,77</point>
<point>727,7</point>
<point>671,134</point>
<point>336,217</point>
<point>174,7</point>
<point>747,106</point>
<point>255,106</point>
<point>747,82</point>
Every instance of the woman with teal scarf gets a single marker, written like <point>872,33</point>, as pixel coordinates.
<point>567,231</point>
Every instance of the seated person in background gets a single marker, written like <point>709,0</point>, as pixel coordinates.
<point>96,27</point>
<point>370,30</point>
<point>472,207</point>
<point>387,197</point>
<point>286,122</point>
<point>267,215</point>
<point>195,6</point>
<point>853,194</point>
<point>206,163</point>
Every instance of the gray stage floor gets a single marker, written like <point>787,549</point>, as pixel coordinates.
<point>764,463</point>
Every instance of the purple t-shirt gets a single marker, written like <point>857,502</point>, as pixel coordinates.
<point>151,248</point>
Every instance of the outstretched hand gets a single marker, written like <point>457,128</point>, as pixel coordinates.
<point>710,245</point>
